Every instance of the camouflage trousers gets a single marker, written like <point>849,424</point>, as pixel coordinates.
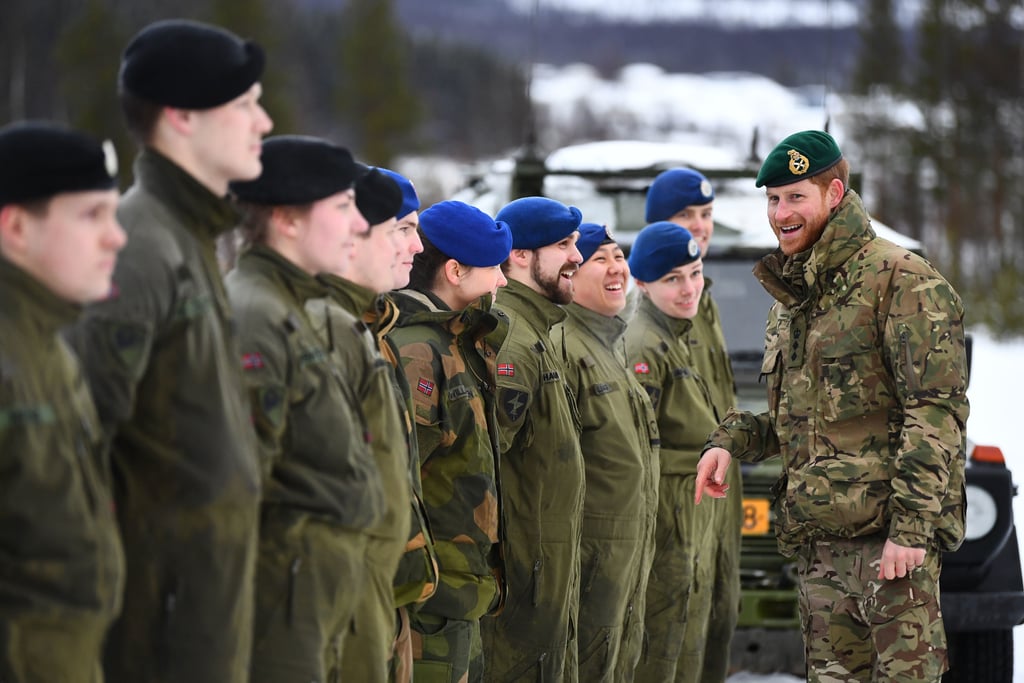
<point>678,540</point>
<point>715,594</point>
<point>308,575</point>
<point>446,650</point>
<point>858,627</point>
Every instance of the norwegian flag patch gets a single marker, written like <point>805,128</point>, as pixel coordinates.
<point>252,361</point>
<point>642,368</point>
<point>425,386</point>
<point>507,369</point>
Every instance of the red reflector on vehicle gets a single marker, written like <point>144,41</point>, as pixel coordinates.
<point>990,454</point>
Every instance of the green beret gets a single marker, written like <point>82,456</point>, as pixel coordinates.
<point>798,157</point>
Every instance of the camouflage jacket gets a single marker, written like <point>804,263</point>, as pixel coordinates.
<point>658,350</point>
<point>163,364</point>
<point>358,318</point>
<point>451,369</point>
<point>315,452</point>
<point>59,539</point>
<point>542,480</point>
<point>867,403</point>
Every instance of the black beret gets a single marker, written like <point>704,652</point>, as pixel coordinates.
<point>299,169</point>
<point>39,160</point>
<point>188,64</point>
<point>378,197</point>
<point>801,155</point>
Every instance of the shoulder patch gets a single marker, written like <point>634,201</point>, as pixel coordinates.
<point>425,386</point>
<point>507,369</point>
<point>252,361</point>
<point>550,376</point>
<point>513,403</point>
<point>642,368</point>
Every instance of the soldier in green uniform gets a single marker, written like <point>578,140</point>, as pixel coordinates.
<point>63,567</point>
<point>446,342</point>
<point>866,373</point>
<point>370,274</point>
<point>321,487</point>
<point>542,473</point>
<point>620,449</point>
<point>665,261</point>
<point>164,366</point>
<point>685,197</point>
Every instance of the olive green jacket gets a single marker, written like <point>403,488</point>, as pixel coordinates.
<point>164,367</point>
<point>448,359</point>
<point>543,480</point>
<point>710,355</point>
<point>386,407</point>
<point>313,440</point>
<point>867,376</point>
<point>659,353</point>
<point>620,443</point>
<point>62,557</point>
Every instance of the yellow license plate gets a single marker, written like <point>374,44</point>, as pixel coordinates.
<point>755,516</point>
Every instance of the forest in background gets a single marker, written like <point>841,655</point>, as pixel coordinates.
<point>448,78</point>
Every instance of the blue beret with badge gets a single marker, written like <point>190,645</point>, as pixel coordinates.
<point>466,234</point>
<point>659,248</point>
<point>800,156</point>
<point>539,221</point>
<point>674,190</point>
<point>410,200</point>
<point>39,159</point>
<point>592,236</point>
<point>189,65</point>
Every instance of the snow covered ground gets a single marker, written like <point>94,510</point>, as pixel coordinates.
<point>998,366</point>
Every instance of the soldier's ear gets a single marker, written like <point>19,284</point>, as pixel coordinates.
<point>12,229</point>
<point>453,272</point>
<point>834,192</point>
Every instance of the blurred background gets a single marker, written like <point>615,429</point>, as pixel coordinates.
<point>925,96</point>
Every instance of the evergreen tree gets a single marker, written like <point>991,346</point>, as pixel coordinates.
<point>881,56</point>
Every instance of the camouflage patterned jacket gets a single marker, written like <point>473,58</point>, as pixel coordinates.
<point>867,403</point>
<point>163,364</point>
<point>62,561</point>
<point>451,369</point>
<point>542,480</point>
<point>659,353</point>
<point>385,405</point>
<point>316,458</point>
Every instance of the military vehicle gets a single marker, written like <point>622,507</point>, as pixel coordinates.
<point>982,591</point>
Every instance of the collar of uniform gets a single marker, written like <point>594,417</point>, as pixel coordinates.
<point>300,284</point>
<point>203,213</point>
<point>848,230</point>
<point>607,330</point>
<point>24,296</point>
<point>354,298</point>
<point>672,327</point>
<point>531,305</point>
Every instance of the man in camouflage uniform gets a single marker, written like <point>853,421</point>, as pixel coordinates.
<point>322,490</point>
<point>866,372</point>
<point>542,475</point>
<point>164,366</point>
<point>63,568</point>
<point>665,262</point>
<point>446,341</point>
<point>685,197</point>
<point>619,442</point>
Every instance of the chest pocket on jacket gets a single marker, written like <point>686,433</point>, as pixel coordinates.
<point>851,378</point>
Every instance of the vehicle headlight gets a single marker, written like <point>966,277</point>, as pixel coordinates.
<point>981,512</point>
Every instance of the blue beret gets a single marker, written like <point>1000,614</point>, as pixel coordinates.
<point>538,221</point>
<point>674,190</point>
<point>659,248</point>
<point>410,200</point>
<point>801,155</point>
<point>466,234</point>
<point>39,160</point>
<point>188,64</point>
<point>298,169</point>
<point>378,196</point>
<point>592,236</point>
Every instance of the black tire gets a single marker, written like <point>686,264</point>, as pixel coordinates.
<point>983,656</point>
